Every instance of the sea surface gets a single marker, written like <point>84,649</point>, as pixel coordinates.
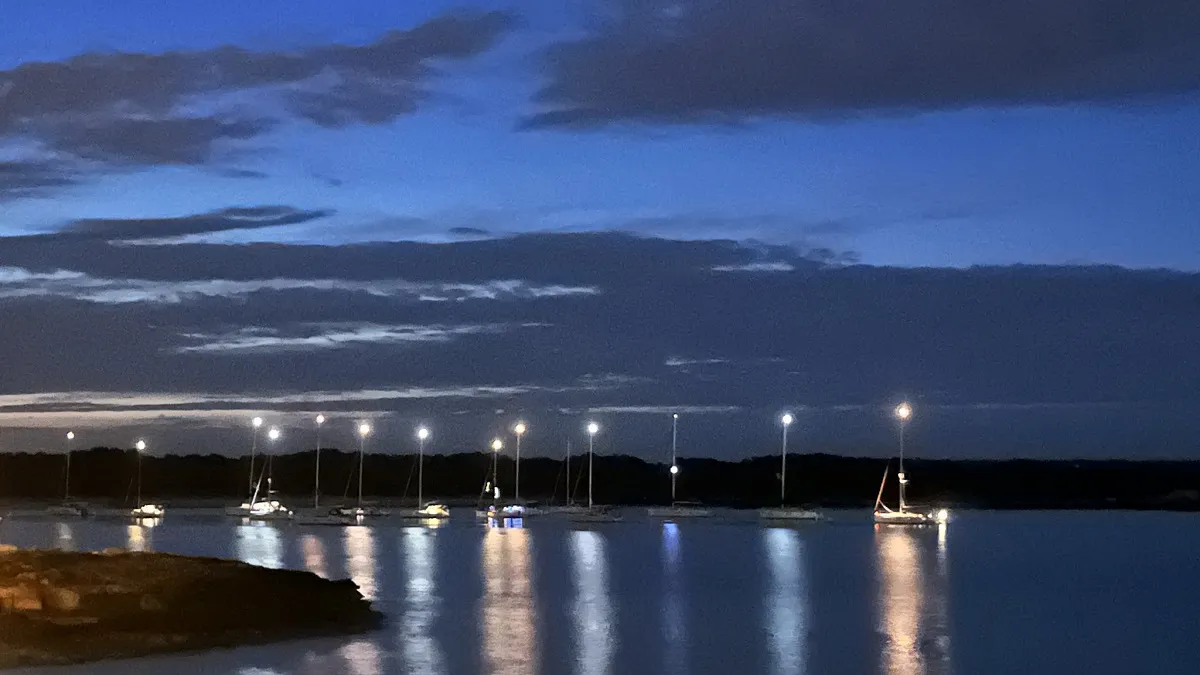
<point>1015,592</point>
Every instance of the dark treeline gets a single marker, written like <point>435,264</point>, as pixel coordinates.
<point>816,479</point>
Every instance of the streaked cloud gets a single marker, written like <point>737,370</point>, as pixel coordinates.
<point>156,229</point>
<point>17,282</point>
<point>777,266</point>
<point>326,336</point>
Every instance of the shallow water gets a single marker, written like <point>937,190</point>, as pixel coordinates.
<point>1062,592</point>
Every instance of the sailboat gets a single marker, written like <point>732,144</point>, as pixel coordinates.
<point>434,509</point>
<point>144,511</point>
<point>904,515</point>
<point>784,512</point>
<point>267,508</point>
<point>568,506</point>
<point>594,514</point>
<point>360,510</point>
<point>69,507</point>
<point>677,509</point>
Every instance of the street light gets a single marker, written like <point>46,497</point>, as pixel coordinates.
<point>67,480</point>
<point>786,420</point>
<point>592,429</point>
<point>497,444</point>
<point>422,434</point>
<point>317,469</point>
<point>674,464</point>
<point>141,447</point>
<point>273,434</point>
<point>519,430</point>
<point>903,413</point>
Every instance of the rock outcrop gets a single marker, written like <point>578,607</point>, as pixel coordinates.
<point>59,607</point>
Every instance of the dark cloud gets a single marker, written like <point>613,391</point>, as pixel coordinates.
<point>237,218</point>
<point>681,61</point>
<point>29,178</point>
<point>469,232</point>
<point>133,108</point>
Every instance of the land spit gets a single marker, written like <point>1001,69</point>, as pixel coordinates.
<point>60,607</point>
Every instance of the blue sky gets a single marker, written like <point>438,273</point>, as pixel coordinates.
<point>370,129</point>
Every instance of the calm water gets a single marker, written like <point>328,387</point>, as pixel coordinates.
<point>990,593</point>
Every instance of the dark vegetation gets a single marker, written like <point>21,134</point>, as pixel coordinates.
<point>817,479</point>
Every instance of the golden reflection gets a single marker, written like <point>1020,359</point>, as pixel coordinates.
<point>66,538</point>
<point>509,624</point>
<point>787,602</point>
<point>257,543</point>
<point>913,604</point>
<point>674,628</point>
<point>135,538</point>
<point>422,655</point>
<point>314,555</point>
<point>359,542</point>
<point>595,623</point>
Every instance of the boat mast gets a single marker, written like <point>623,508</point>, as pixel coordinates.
<point>568,472</point>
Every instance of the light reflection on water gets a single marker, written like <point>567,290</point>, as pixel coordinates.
<point>258,543</point>
<point>595,623</point>
<point>787,601</point>
<point>912,602</point>
<point>710,598</point>
<point>507,612</point>
<point>422,655</point>
<point>358,542</point>
<point>314,555</point>
<point>674,626</point>
<point>66,538</point>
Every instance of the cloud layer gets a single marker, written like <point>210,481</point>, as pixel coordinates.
<point>684,61</point>
<point>557,325</point>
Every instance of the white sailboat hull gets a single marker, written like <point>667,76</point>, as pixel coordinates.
<point>678,512</point>
<point>795,515</point>
<point>911,517</point>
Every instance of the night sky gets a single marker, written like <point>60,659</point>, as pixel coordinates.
<point>465,213</point>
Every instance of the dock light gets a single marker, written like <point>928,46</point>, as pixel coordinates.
<point>70,435</point>
<point>320,420</point>
<point>593,428</point>
<point>422,433</point>
<point>364,429</point>
<point>674,469</point>
<point>273,434</point>
<point>903,412</point>
<point>943,516</point>
<point>519,429</point>
<point>787,419</point>
<point>257,422</point>
<point>497,444</point>
<point>141,447</point>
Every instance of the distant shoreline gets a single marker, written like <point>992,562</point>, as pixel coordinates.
<point>105,476</point>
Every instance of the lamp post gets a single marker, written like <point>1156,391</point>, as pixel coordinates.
<point>255,423</point>
<point>67,480</point>
<point>592,429</point>
<point>364,430</point>
<point>317,469</point>
<point>141,447</point>
<point>497,444</point>
<point>519,431</point>
<point>674,465</point>
<point>786,420</point>
<point>272,435</point>
<point>903,413</point>
<point>422,435</point>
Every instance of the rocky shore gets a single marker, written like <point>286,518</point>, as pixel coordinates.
<point>59,607</point>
